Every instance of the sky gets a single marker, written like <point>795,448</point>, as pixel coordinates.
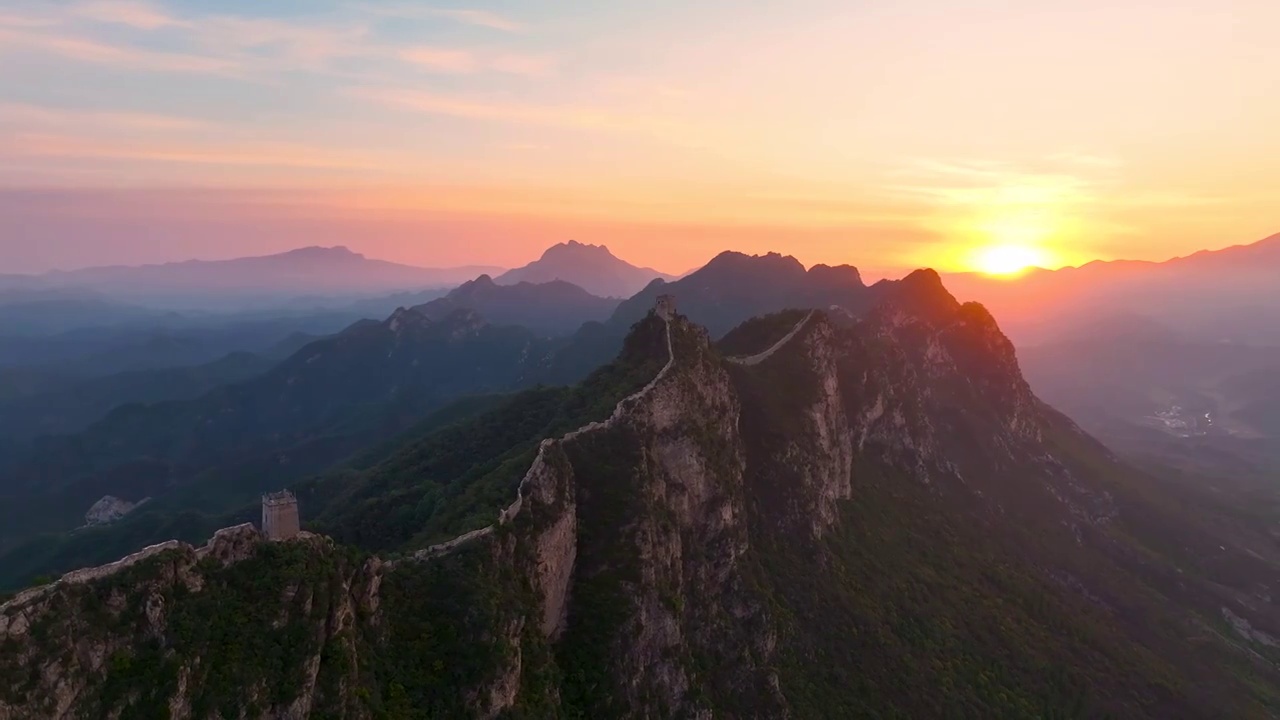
<point>888,135</point>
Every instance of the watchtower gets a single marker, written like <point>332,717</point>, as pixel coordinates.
<point>279,515</point>
<point>666,307</point>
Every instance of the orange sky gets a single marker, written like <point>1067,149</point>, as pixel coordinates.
<point>889,135</point>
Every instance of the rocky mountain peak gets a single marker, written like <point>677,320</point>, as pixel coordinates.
<point>573,248</point>
<point>828,275</point>
<point>591,267</point>
<point>922,294</point>
<point>320,253</point>
<point>768,263</point>
<point>405,320</point>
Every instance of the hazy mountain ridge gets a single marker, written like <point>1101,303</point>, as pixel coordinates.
<point>591,267</point>
<point>1226,294</point>
<point>550,308</point>
<point>965,537</point>
<point>304,270</point>
<point>69,405</point>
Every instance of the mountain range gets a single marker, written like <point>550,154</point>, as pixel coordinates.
<point>1219,295</point>
<point>551,308</point>
<point>365,384</point>
<point>301,272</point>
<point>826,513</point>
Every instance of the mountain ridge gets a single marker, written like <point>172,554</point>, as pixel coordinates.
<point>553,308</point>
<point>1210,293</point>
<point>591,267</point>
<point>299,271</point>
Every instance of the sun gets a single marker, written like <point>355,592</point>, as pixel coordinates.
<point>1008,259</point>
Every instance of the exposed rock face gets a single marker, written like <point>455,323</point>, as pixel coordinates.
<point>109,509</point>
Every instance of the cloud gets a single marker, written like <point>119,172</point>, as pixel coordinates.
<point>91,51</point>
<point>465,62</point>
<point>990,183</point>
<point>24,21</point>
<point>43,117</point>
<point>477,18</point>
<point>526,65</point>
<point>440,60</point>
<point>264,42</point>
<point>248,47</point>
<point>258,154</point>
<point>480,18</point>
<point>1086,160</point>
<point>142,15</point>
<point>582,118</point>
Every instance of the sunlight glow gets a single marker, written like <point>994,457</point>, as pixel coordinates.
<point>1008,259</point>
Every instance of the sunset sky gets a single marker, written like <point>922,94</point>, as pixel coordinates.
<point>883,134</point>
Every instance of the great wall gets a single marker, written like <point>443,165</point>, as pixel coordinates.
<point>221,539</point>
<point>665,309</point>
<point>766,354</point>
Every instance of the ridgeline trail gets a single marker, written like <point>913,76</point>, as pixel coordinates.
<point>765,355</point>
<point>513,509</point>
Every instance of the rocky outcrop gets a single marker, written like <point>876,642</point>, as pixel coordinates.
<point>109,509</point>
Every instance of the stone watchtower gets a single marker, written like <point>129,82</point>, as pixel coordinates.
<point>666,307</point>
<point>279,515</point>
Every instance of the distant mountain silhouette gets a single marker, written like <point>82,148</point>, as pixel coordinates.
<point>590,267</point>
<point>1227,294</point>
<point>734,287</point>
<point>305,271</point>
<point>552,308</point>
<point>721,295</point>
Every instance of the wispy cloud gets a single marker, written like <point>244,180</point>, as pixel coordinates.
<point>267,154</point>
<point>567,116</point>
<point>25,21</point>
<point>481,18</point>
<point>990,183</point>
<point>133,13</point>
<point>456,61</point>
<point>35,116</point>
<point>92,51</point>
<point>477,18</point>
<point>251,47</point>
<point>1086,160</point>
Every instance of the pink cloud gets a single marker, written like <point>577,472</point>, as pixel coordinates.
<point>481,18</point>
<point>259,154</point>
<point>34,115</point>
<point>527,65</point>
<point>141,15</point>
<point>478,18</point>
<point>85,50</point>
<point>440,60</point>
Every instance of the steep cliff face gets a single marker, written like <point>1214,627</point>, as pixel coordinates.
<point>181,631</point>
<point>660,618</point>
<point>846,517</point>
